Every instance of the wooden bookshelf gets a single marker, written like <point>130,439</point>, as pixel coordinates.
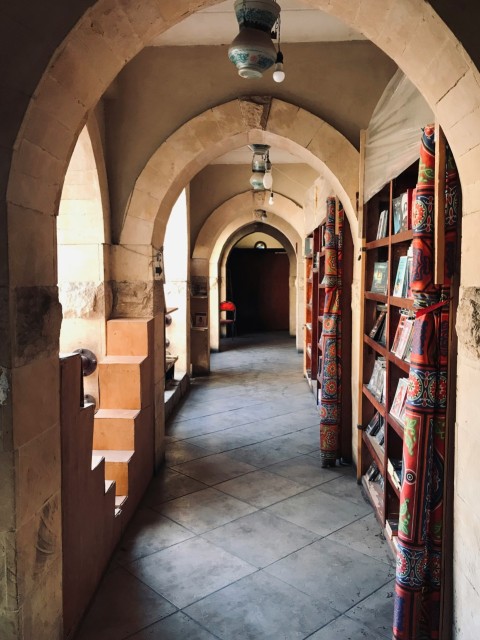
<point>314,309</point>
<point>384,495</point>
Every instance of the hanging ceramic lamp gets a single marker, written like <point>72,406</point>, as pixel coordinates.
<point>259,160</point>
<point>252,51</point>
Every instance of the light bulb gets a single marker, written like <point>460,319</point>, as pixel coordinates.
<point>278,72</point>
<point>268,180</point>
<point>270,200</point>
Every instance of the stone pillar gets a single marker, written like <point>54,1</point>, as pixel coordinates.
<point>30,476</point>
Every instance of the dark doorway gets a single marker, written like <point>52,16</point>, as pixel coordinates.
<point>258,283</point>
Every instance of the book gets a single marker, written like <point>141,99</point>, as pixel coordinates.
<point>399,289</point>
<point>408,287</point>
<point>382,224</point>
<point>405,338</point>
<point>397,214</point>
<point>382,336</point>
<point>376,380</point>
<point>380,436</point>
<point>399,399</point>
<point>374,425</point>
<point>398,332</point>
<point>372,472</point>
<point>407,199</point>
<point>380,278</point>
<point>379,322</point>
<point>391,528</point>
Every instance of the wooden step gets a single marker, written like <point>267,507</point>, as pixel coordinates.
<point>116,468</point>
<point>125,382</point>
<point>109,485</point>
<point>120,500</point>
<point>130,336</point>
<point>115,429</point>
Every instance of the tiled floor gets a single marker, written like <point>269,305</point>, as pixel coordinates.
<point>244,536</point>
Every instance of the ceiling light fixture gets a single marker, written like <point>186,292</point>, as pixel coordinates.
<point>261,167</point>
<point>278,72</point>
<point>252,51</point>
<point>260,214</point>
<point>270,200</point>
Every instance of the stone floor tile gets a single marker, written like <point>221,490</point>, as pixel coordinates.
<point>169,484</point>
<point>260,607</point>
<point>214,468</point>
<point>344,576</point>
<point>376,611</point>
<point>344,628</point>
<point>365,535</point>
<point>319,512</point>
<point>205,510</point>
<point>180,451</point>
<point>261,488</point>
<point>189,571</point>
<point>182,429</point>
<point>304,470</point>
<point>265,453</point>
<point>344,487</point>
<point>260,538</point>
<point>178,626</point>
<point>147,533</point>
<point>122,606</point>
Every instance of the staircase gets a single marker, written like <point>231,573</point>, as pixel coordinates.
<point>123,425</point>
<point>107,457</point>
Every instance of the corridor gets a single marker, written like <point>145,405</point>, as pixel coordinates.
<point>243,535</point>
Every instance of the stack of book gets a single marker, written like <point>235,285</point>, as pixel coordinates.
<point>402,211</point>
<point>376,424</point>
<point>373,475</point>
<point>376,384</point>
<point>399,403</point>
<point>402,342</point>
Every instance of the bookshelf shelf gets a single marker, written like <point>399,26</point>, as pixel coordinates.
<point>387,268</point>
<point>395,424</point>
<point>376,346</point>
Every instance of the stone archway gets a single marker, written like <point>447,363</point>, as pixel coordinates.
<point>229,126</point>
<point>107,36</point>
<point>225,223</point>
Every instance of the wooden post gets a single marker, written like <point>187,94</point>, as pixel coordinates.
<point>361,183</point>
<point>439,231</point>
<point>362,258</point>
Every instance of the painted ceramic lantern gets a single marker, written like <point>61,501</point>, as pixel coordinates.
<point>252,51</point>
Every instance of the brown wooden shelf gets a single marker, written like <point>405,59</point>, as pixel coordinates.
<point>395,424</point>
<point>375,244</point>
<point>375,494</point>
<point>403,303</point>
<point>378,454</point>
<point>376,346</point>
<point>378,297</point>
<point>392,484</point>
<point>401,364</point>
<point>376,403</point>
<point>402,236</point>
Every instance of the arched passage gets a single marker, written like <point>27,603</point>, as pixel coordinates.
<point>230,126</point>
<point>83,66</point>
<point>224,224</point>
